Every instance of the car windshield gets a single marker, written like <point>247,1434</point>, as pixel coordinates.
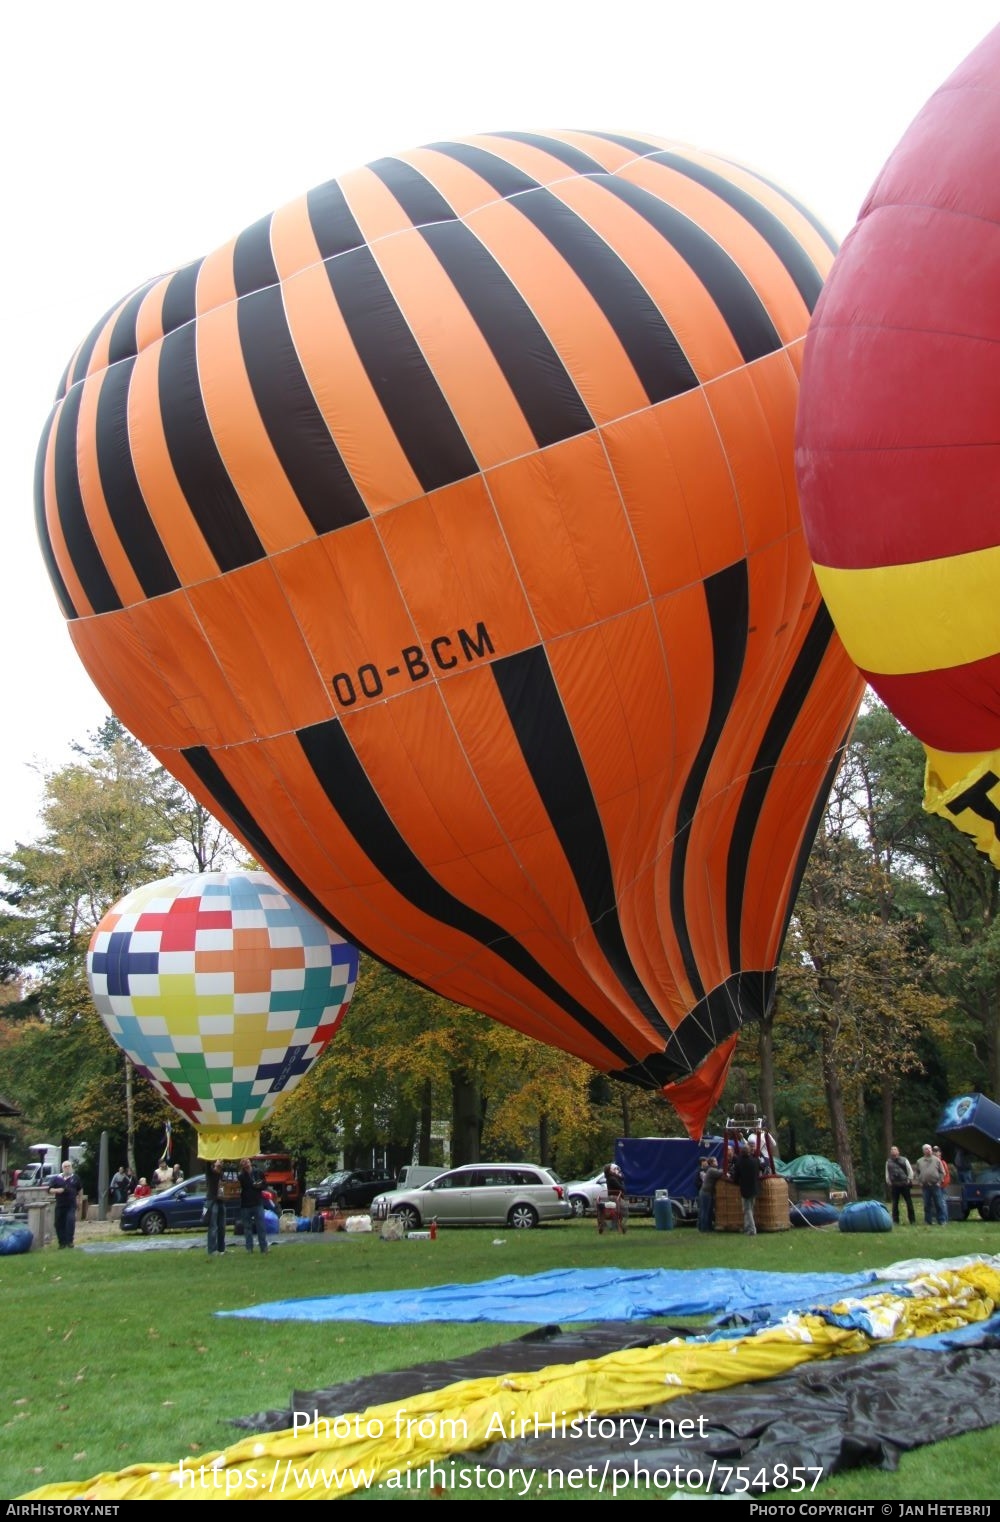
<point>332,1178</point>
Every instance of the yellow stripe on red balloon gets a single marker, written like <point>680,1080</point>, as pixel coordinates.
<point>924,616</point>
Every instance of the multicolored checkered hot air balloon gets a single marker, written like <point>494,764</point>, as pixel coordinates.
<point>898,446</point>
<point>223,991</point>
<point>439,532</point>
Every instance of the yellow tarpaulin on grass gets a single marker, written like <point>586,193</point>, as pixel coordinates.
<point>354,1452</point>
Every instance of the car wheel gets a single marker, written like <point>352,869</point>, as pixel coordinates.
<point>341,1201</point>
<point>995,1208</point>
<point>153,1223</point>
<point>984,1213</point>
<point>579,1203</point>
<point>523,1217</point>
<point>409,1217</point>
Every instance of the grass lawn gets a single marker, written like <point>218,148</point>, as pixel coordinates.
<point>112,1359</point>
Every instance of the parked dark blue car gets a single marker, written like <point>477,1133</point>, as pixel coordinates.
<point>181,1207</point>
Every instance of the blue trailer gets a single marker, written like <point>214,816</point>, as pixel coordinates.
<point>970,1128</point>
<point>652,1163</point>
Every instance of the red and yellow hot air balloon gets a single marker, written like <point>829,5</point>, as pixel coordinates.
<point>440,533</point>
<point>899,441</point>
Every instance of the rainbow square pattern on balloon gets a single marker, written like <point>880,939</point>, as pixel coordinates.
<point>222,994</point>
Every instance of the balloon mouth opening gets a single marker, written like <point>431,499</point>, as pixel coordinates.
<point>228,1142</point>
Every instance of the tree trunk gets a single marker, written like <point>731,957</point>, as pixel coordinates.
<point>426,1121</point>
<point>466,1118</point>
<point>835,1106</point>
<point>543,1140</point>
<point>765,1053</point>
<point>129,1116</point>
<point>888,1127</point>
<point>626,1114</point>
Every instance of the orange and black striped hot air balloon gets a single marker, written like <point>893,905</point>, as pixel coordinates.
<point>440,533</point>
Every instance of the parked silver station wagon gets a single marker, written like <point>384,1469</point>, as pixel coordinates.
<point>491,1194</point>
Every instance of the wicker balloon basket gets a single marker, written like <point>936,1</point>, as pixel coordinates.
<point>770,1209</point>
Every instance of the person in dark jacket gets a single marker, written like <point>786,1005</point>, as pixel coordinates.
<point>899,1177</point>
<point>746,1176</point>
<point>252,1206</point>
<point>65,1186</point>
<point>215,1206</point>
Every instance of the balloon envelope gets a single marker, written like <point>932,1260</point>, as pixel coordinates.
<point>898,440</point>
<point>223,991</point>
<point>440,533</point>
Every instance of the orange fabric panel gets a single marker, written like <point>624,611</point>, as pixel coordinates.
<point>176,646</point>
<point>731,230</point>
<point>473,384</point>
<point>454,570</point>
<point>116,656</point>
<point>57,539</point>
<point>693,1098</point>
<point>216,285</point>
<point>574,323</point>
<point>293,242</point>
<point>569,535</point>
<point>671,470</point>
<point>98,361</point>
<point>687,307</point>
<point>240,435</point>
<point>344,394</point>
<point>149,319</point>
<point>181,537</point>
<point>253,632</point>
<point>361,621</point>
<point>373,205</point>
<point>741,407</point>
<point>798,224</point>
<point>105,534</point>
<point>462,187</point>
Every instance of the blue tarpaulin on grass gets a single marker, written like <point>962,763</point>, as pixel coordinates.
<point>569,1295</point>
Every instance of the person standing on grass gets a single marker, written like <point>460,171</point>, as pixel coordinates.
<point>215,1205</point>
<point>252,1206</point>
<point>746,1176</point>
<point>930,1177</point>
<point>66,1187</point>
<point>899,1177</point>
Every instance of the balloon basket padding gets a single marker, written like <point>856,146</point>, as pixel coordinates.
<point>770,1210</point>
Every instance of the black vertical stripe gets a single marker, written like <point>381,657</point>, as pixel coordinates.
<point>80,542</point>
<point>41,526</point>
<point>727,597</point>
<point>657,358</point>
<point>780,725</point>
<point>253,261</point>
<point>332,221</point>
<point>403,381</point>
<point>295,426</point>
<point>574,158</point>
<point>537,716</point>
<point>805,276</point>
<point>739,305</point>
<point>654,351</point>
<point>506,179</point>
<point>793,256</point>
<point>813,822</point>
<point>179,299</point>
<point>211,496</point>
<point>553,408</point>
<point>421,200</point>
<point>346,784</point>
<point>122,344</point>
<point>122,492</point>
<point>832,243</point>
<point>86,350</point>
<point>221,790</point>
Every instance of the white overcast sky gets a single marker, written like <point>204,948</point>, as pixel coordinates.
<point>138,137</point>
